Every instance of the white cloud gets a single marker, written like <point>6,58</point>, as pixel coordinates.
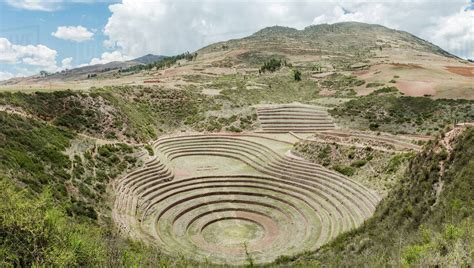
<point>66,63</point>
<point>41,5</point>
<point>38,55</point>
<point>450,26</point>
<point>19,72</point>
<point>5,75</point>
<point>107,57</point>
<point>375,13</point>
<point>169,27</point>
<point>73,33</point>
<point>455,33</point>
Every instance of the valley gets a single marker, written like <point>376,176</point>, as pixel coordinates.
<point>345,144</point>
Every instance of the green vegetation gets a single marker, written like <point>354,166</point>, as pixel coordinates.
<point>426,221</point>
<point>35,230</point>
<point>387,91</point>
<point>346,170</point>
<point>166,62</point>
<point>363,164</point>
<point>152,111</point>
<point>297,75</point>
<point>234,123</point>
<point>69,109</point>
<point>127,113</point>
<point>255,58</point>
<point>403,114</point>
<point>34,156</point>
<point>398,160</point>
<point>271,65</point>
<point>277,89</point>
<point>31,152</point>
<point>341,85</point>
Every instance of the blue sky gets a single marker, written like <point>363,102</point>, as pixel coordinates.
<point>98,32</point>
<point>33,27</point>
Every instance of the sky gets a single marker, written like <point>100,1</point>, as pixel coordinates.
<point>54,35</point>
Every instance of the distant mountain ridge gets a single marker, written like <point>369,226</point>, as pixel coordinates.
<point>350,37</point>
<point>84,71</point>
<point>148,58</point>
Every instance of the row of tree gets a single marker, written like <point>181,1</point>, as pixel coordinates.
<point>166,62</point>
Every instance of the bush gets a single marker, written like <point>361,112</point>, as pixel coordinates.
<point>359,163</point>
<point>40,234</point>
<point>150,150</point>
<point>373,126</point>
<point>271,65</point>
<point>346,170</point>
<point>297,75</point>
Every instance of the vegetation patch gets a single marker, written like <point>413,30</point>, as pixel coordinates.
<point>425,221</point>
<point>403,114</point>
<point>361,163</point>
<point>341,85</point>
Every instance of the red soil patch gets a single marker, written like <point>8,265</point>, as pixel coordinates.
<point>416,88</point>
<point>464,71</point>
<point>407,65</point>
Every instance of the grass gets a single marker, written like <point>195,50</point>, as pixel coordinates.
<point>34,156</point>
<point>366,165</point>
<point>35,230</point>
<point>414,226</point>
<point>403,114</point>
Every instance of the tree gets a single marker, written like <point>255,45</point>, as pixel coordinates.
<point>271,65</point>
<point>297,75</point>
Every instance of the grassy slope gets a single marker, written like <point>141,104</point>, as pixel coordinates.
<point>37,231</point>
<point>52,205</point>
<point>378,170</point>
<point>403,114</point>
<point>415,226</point>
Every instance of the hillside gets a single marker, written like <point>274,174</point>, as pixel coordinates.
<point>336,145</point>
<point>85,72</point>
<point>372,53</point>
<point>426,220</point>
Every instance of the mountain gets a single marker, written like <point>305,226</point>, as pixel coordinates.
<point>148,58</point>
<point>85,71</point>
<point>348,39</point>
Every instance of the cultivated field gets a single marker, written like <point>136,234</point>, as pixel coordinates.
<point>226,198</point>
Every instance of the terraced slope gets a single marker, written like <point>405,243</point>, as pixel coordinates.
<point>296,118</point>
<point>397,142</point>
<point>232,194</point>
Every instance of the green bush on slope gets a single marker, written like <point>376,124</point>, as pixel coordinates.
<point>36,231</point>
<point>404,114</point>
<point>427,220</point>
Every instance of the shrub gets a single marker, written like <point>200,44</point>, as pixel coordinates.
<point>297,75</point>
<point>150,150</point>
<point>346,170</point>
<point>373,126</point>
<point>271,65</point>
<point>359,163</point>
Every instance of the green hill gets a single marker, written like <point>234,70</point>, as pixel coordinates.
<point>426,221</point>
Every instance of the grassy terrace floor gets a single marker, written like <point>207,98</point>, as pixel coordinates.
<point>226,197</point>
